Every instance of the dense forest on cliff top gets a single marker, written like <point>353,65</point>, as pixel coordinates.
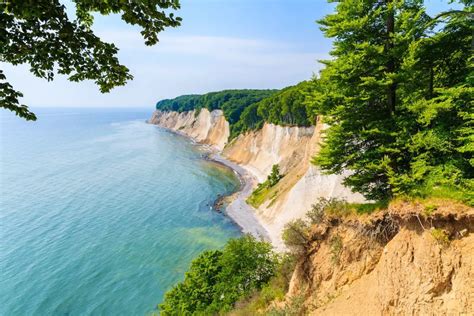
<point>248,109</point>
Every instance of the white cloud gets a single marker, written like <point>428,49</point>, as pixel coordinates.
<point>177,65</point>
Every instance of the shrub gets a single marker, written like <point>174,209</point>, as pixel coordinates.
<point>337,207</point>
<point>336,249</point>
<point>332,207</point>
<point>316,213</point>
<point>294,307</point>
<point>295,235</point>
<point>275,290</point>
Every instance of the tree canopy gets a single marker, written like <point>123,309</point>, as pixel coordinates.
<point>231,102</point>
<point>286,107</point>
<point>41,34</point>
<point>398,96</point>
<point>249,109</point>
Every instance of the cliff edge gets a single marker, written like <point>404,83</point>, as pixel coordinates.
<point>402,261</point>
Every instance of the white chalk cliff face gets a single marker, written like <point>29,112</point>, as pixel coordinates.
<point>206,127</point>
<point>292,148</point>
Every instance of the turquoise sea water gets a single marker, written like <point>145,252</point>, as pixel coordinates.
<point>101,213</point>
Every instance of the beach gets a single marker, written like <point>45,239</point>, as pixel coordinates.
<point>237,209</point>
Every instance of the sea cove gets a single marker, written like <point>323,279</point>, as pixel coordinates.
<point>101,212</point>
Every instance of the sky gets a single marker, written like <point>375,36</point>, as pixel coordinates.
<point>221,44</point>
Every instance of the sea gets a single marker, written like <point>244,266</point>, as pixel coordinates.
<point>100,212</point>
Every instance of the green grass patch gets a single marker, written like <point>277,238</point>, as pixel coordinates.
<point>368,208</point>
<point>440,236</point>
<point>429,209</point>
<point>259,195</point>
<point>448,192</point>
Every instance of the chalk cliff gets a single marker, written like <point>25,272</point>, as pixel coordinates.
<point>204,127</point>
<point>257,151</point>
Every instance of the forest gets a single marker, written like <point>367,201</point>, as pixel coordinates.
<point>248,109</point>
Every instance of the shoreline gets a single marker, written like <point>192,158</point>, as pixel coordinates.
<point>238,209</point>
<point>242,214</point>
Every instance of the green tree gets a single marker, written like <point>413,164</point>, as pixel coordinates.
<point>196,292</point>
<point>274,176</point>
<point>40,33</point>
<point>247,264</point>
<point>287,107</point>
<point>386,95</point>
<point>217,279</point>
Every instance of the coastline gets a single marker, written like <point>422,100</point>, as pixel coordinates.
<point>238,210</point>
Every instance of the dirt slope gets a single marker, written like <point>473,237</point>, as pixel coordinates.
<point>393,263</point>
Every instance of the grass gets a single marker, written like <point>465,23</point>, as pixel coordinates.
<point>447,192</point>
<point>429,209</point>
<point>294,307</point>
<point>368,208</point>
<point>265,190</point>
<point>340,208</point>
<point>440,236</point>
<point>259,195</point>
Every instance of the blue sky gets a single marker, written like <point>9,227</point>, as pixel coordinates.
<point>222,44</point>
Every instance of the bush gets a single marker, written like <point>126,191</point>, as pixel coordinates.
<point>336,249</point>
<point>295,235</point>
<point>275,290</point>
<point>217,279</point>
<point>332,206</point>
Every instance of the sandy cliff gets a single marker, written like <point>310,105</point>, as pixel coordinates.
<point>392,263</point>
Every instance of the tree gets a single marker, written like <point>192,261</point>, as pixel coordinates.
<point>217,279</point>
<point>379,87</point>
<point>196,292</point>
<point>247,264</point>
<point>40,33</point>
<point>274,176</point>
